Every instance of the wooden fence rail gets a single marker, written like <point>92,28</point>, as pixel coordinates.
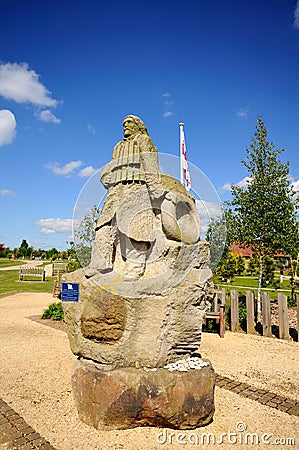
<point>266,315</point>
<point>233,320</point>
<point>250,322</point>
<point>283,317</point>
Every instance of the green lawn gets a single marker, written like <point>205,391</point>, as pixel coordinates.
<point>4,262</point>
<point>9,283</point>
<point>244,283</point>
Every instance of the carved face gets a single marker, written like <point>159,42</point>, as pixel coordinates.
<point>130,127</point>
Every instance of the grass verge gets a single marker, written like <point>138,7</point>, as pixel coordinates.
<point>4,262</point>
<point>10,284</point>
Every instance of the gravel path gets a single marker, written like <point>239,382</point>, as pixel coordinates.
<point>35,367</point>
<point>29,262</point>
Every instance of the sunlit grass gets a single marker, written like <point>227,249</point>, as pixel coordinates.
<point>9,283</point>
<point>4,262</point>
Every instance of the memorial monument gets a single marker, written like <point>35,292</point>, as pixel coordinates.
<point>137,326</point>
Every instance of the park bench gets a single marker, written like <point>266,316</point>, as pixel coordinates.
<point>58,268</point>
<point>219,312</point>
<point>29,271</point>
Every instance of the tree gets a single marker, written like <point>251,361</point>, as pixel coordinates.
<point>24,250</point>
<point>227,267</point>
<point>263,212</point>
<point>268,271</point>
<point>4,251</point>
<point>63,254</point>
<point>253,265</point>
<point>240,264</point>
<point>216,237</point>
<point>291,249</point>
<point>53,253</point>
<point>85,235</point>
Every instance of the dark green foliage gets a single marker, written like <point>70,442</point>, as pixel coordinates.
<point>240,264</point>
<point>268,272</point>
<point>253,265</point>
<point>227,268</point>
<point>73,265</point>
<point>24,250</point>
<point>292,302</point>
<point>242,317</point>
<point>216,237</point>
<point>54,311</point>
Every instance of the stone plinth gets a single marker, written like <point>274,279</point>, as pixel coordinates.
<point>151,329</point>
<point>131,397</point>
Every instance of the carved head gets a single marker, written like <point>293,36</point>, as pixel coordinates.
<point>133,125</point>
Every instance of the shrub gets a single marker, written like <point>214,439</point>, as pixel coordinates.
<point>73,265</point>
<point>54,311</point>
<point>242,317</point>
<point>292,302</point>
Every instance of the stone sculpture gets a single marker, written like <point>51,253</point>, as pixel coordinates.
<point>142,299</point>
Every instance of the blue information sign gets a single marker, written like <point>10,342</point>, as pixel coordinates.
<point>70,292</point>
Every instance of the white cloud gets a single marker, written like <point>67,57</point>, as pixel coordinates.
<point>226,187</point>
<point>87,171</point>
<point>91,129</point>
<point>47,116</point>
<point>242,112</point>
<point>207,211</point>
<point>66,170</point>
<point>52,225</point>
<point>167,105</point>
<point>296,15</point>
<point>295,185</point>
<point>7,192</point>
<point>19,83</point>
<point>242,183</point>
<point>7,127</point>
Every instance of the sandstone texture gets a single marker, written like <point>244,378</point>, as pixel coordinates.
<point>150,329</point>
<point>142,299</point>
<point>130,397</point>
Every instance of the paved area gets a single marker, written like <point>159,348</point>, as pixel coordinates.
<point>31,263</point>
<point>16,434</point>
<point>262,396</point>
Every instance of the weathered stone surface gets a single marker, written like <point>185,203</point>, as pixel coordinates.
<point>131,397</point>
<point>142,299</point>
<point>148,329</point>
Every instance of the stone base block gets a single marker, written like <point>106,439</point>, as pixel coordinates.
<point>131,397</point>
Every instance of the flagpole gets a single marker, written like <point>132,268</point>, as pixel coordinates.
<point>181,125</point>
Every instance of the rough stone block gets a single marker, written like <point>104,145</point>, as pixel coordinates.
<point>131,397</point>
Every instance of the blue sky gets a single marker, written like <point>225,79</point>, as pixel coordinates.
<point>70,72</point>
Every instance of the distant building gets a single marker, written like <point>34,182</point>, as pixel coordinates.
<point>247,251</point>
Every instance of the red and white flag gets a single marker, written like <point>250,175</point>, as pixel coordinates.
<point>185,175</point>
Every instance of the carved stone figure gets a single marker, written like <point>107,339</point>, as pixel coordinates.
<point>135,185</point>
<point>146,289</point>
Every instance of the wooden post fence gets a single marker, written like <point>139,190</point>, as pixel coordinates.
<point>283,316</point>
<point>266,313</point>
<point>250,312</point>
<point>234,311</point>
<point>222,314</point>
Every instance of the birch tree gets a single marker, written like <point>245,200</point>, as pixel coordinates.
<point>263,212</point>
